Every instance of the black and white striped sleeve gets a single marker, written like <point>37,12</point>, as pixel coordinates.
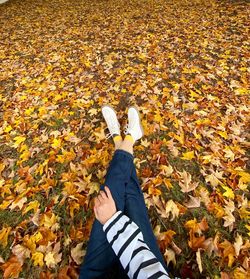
<point>127,242</point>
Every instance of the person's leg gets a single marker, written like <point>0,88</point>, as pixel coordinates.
<point>100,258</point>
<point>100,261</point>
<point>135,207</point>
<point>136,210</point>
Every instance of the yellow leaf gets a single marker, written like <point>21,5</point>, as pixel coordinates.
<point>93,111</point>
<point>29,111</point>
<point>57,97</point>
<point>18,140</point>
<point>2,167</point>
<point>66,156</point>
<point>228,192</point>
<point>171,55</point>
<point>154,191</point>
<point>32,205</point>
<point>56,143</point>
<point>49,221</point>
<point>244,213</point>
<point>166,170</point>
<point>167,182</point>
<point>31,242</point>
<point>73,205</point>
<point>188,155</point>
<point>37,257</point>
<point>223,134</point>
<point>7,129</point>
<point>242,91</point>
<point>25,155</point>
<point>193,94</point>
<point>4,233</point>
<point>241,273</point>
<point>180,137</point>
<point>172,208</point>
<point>157,118</point>
<point>245,176</point>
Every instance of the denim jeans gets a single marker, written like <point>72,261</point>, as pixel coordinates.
<point>100,261</point>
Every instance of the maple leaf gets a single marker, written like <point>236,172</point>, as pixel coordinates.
<point>38,257</point>
<point>166,170</point>
<point>21,252</point>
<point>188,155</point>
<point>195,226</point>
<point>57,143</point>
<point>18,140</point>
<point>214,178</point>
<point>186,184</point>
<point>11,268</point>
<point>229,217</point>
<point>4,233</point>
<point>195,242</point>
<point>238,244</point>
<point>228,192</point>
<point>228,252</point>
<point>193,202</point>
<point>171,209</point>
<point>170,256</point>
<point>77,253</point>
<point>33,205</point>
<point>52,258</point>
<point>18,202</point>
<point>196,108</point>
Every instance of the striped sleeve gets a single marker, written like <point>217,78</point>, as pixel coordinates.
<point>127,242</point>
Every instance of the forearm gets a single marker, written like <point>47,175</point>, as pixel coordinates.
<point>128,244</point>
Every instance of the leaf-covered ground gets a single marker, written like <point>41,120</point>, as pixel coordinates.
<point>186,65</point>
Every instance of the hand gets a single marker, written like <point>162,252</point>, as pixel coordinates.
<point>104,207</point>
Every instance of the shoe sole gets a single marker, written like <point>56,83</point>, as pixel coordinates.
<point>142,130</point>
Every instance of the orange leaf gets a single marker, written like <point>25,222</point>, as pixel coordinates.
<point>11,268</point>
<point>195,242</point>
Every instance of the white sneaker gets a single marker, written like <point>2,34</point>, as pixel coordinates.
<point>110,117</point>
<point>134,127</point>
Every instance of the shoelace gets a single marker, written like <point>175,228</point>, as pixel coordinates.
<point>128,128</point>
<point>126,131</point>
<point>112,129</point>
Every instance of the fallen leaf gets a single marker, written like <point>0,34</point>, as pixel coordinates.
<point>170,256</point>
<point>188,155</point>
<point>11,268</point>
<point>77,253</point>
<point>198,259</point>
<point>4,233</point>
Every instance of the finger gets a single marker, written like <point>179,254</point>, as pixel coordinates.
<point>103,194</point>
<point>96,202</point>
<point>108,192</point>
<point>100,198</point>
